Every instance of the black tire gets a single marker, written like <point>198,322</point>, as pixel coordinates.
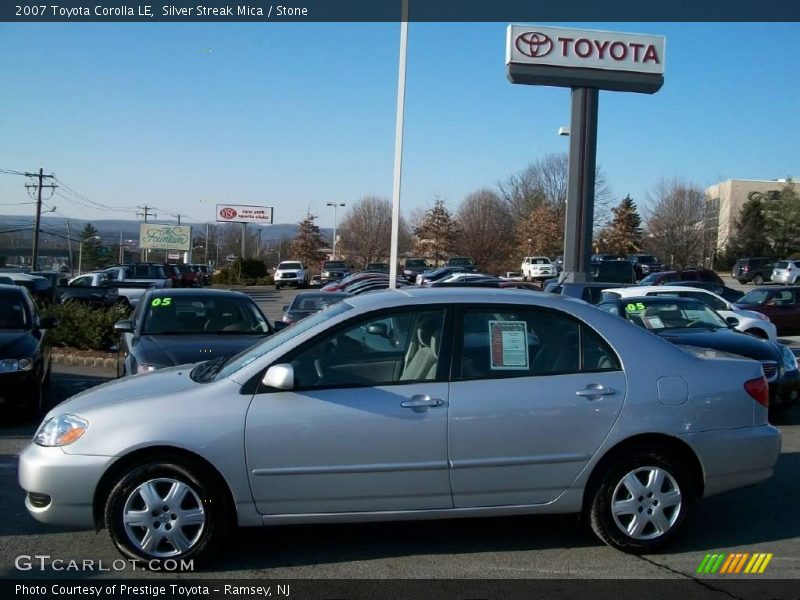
<point>277,286</point>
<point>610,486</point>
<point>758,279</point>
<point>742,281</point>
<point>204,539</point>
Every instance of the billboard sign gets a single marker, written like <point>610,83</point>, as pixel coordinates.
<point>165,237</point>
<point>585,58</point>
<point>239,213</point>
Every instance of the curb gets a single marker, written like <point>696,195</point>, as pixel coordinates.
<point>66,358</point>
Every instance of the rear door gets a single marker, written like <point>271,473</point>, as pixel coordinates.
<point>534,393</point>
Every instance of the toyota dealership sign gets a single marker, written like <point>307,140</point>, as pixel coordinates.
<point>238,213</point>
<point>585,58</point>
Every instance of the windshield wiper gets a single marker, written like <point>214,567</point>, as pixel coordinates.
<point>206,371</point>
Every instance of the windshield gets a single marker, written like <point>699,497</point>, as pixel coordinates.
<point>12,312</point>
<point>646,260</point>
<point>244,358</point>
<point>754,298</point>
<point>650,279</point>
<point>459,261</point>
<point>540,261</point>
<point>289,265</point>
<point>334,264</point>
<point>415,263</point>
<point>186,315</point>
<point>782,264</point>
<point>315,302</point>
<point>669,315</point>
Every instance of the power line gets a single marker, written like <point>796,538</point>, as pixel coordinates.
<point>11,172</point>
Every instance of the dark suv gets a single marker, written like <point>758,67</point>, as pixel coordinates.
<point>755,270</point>
<point>644,264</point>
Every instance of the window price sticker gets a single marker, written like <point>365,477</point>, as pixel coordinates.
<point>508,345</point>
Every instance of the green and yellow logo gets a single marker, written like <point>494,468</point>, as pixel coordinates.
<point>735,563</point>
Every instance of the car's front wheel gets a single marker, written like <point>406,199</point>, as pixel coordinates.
<point>641,502</point>
<point>168,509</point>
<point>758,280</point>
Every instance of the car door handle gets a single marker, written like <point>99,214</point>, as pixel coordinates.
<point>596,391</point>
<point>422,401</point>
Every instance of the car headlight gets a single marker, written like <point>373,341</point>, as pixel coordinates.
<point>61,430</point>
<point>326,274</point>
<point>12,365</point>
<point>789,359</point>
<point>146,368</point>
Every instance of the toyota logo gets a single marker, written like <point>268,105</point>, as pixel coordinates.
<point>228,213</point>
<point>534,44</point>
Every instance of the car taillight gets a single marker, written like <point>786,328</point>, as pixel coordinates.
<point>745,269</point>
<point>759,390</point>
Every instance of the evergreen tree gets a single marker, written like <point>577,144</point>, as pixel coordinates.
<point>782,214</point>
<point>435,237</point>
<point>624,234</point>
<point>307,243</point>
<point>92,257</point>
<point>750,230</point>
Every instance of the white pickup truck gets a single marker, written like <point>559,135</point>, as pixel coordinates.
<point>292,272</point>
<point>537,267</point>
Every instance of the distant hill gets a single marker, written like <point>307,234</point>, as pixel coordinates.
<point>110,229</point>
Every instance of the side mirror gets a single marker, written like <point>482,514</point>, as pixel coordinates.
<point>732,321</point>
<point>381,329</point>
<point>280,377</point>
<point>125,326</point>
<point>280,325</point>
<point>48,323</point>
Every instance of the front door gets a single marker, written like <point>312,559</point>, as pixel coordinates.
<point>365,427</point>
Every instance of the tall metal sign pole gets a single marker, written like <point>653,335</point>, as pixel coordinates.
<point>586,61</point>
<point>398,147</point>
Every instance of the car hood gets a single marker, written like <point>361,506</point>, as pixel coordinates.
<point>150,385</point>
<point>171,350</point>
<point>750,314</point>
<point>725,340</point>
<point>16,343</point>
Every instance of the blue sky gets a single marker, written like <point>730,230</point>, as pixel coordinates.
<point>183,116</point>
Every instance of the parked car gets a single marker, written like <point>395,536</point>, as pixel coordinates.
<point>316,281</point>
<point>588,291</point>
<point>334,270</point>
<point>189,275</point>
<point>56,278</point>
<point>100,290</point>
<point>537,268</point>
<point>618,271</point>
<point>461,261</point>
<point>730,294</point>
<point>307,303</point>
<point>405,405</point>
<point>373,284</point>
<point>292,272</point>
<point>178,327</point>
<point>25,360</point>
<point>756,270</point>
<point>40,288</point>
<point>413,267</point>
<point>427,278</point>
<point>644,264</point>
<point>203,273</point>
<point>781,305</point>
<point>694,326</point>
<point>150,274</point>
<point>749,321</point>
<point>173,273</point>
<point>598,258</point>
<point>338,286</point>
<point>377,267</point>
<point>786,272</point>
<point>684,275</point>
<point>559,264</point>
<point>511,276</point>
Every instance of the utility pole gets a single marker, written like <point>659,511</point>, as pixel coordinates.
<point>39,186</point>
<point>69,246</point>
<point>206,257</point>
<point>258,245</point>
<point>146,212</point>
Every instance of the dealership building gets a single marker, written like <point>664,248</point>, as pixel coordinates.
<point>724,202</point>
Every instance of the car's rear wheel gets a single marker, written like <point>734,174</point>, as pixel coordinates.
<point>277,286</point>
<point>641,502</point>
<point>168,509</point>
<point>758,279</point>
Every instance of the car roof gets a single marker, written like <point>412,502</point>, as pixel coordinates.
<point>659,288</point>
<point>655,300</point>
<point>194,292</point>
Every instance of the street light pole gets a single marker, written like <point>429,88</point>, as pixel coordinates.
<point>334,205</point>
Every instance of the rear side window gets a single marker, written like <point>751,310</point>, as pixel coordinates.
<point>522,342</point>
<point>782,265</point>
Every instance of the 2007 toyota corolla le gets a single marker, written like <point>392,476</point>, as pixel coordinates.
<point>412,404</point>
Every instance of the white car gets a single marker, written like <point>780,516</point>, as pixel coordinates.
<point>787,272</point>
<point>537,267</point>
<point>750,321</point>
<point>291,272</point>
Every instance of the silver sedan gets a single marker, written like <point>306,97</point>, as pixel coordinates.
<point>412,404</point>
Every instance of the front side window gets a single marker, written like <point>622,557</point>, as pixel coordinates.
<point>382,349</point>
<point>508,342</point>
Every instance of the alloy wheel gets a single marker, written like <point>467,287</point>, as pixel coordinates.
<point>646,503</point>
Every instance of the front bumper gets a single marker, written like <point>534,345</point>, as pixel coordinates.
<point>67,480</point>
<point>735,458</point>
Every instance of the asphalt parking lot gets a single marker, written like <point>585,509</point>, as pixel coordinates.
<point>757,519</point>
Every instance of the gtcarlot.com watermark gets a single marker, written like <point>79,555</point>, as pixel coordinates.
<point>45,562</point>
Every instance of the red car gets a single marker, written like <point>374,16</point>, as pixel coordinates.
<point>780,304</point>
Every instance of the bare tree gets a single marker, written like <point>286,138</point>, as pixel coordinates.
<point>366,230</point>
<point>674,222</point>
<point>545,182</point>
<point>484,222</point>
